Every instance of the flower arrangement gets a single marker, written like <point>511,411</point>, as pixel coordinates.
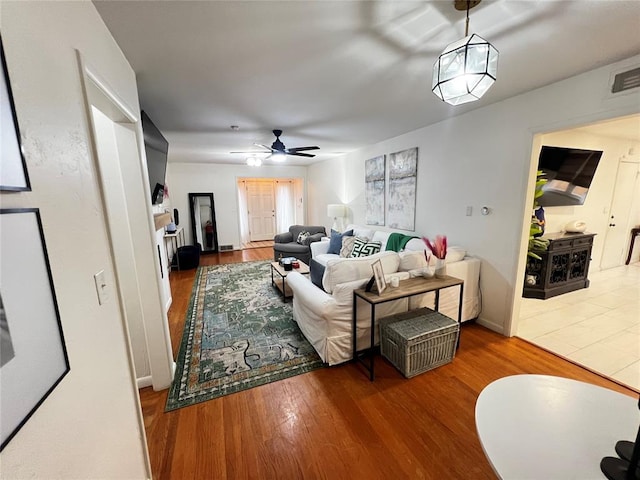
<point>438,247</point>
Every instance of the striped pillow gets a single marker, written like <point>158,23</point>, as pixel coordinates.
<point>362,248</point>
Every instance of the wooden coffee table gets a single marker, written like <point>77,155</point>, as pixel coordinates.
<point>281,282</point>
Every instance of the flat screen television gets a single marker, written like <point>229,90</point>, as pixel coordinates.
<point>156,148</point>
<point>569,172</point>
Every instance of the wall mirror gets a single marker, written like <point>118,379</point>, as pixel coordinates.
<point>203,221</point>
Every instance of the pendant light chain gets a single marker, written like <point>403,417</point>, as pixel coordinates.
<point>466,28</point>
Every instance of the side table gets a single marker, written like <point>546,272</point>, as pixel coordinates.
<point>282,273</point>
<point>634,233</point>
<point>176,239</point>
<point>407,288</point>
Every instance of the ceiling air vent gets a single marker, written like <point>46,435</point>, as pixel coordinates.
<point>626,81</point>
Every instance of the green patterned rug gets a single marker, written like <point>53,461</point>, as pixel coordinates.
<point>238,334</point>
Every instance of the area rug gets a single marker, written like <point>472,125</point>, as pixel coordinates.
<point>238,334</point>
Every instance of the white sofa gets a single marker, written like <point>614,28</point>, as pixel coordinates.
<point>324,316</point>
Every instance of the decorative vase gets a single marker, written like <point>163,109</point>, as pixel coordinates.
<point>441,268</point>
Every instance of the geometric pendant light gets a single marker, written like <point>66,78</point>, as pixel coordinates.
<point>467,68</point>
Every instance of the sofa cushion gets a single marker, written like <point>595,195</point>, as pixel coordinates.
<point>454,254</point>
<point>412,260</point>
<point>347,246</point>
<point>335,243</point>
<point>362,248</point>
<point>341,270</point>
<point>312,238</point>
<point>362,232</point>
<point>316,272</point>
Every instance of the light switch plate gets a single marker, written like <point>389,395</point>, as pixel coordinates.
<point>469,211</point>
<point>101,287</point>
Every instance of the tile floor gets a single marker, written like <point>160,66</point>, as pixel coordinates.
<point>597,327</point>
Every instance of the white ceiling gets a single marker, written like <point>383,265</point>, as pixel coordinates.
<point>340,74</point>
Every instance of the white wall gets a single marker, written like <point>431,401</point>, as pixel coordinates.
<point>89,427</point>
<point>596,208</point>
<point>481,158</point>
<point>221,180</point>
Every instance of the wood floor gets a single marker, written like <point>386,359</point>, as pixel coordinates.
<point>334,423</point>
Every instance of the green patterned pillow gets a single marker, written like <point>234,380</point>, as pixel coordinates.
<point>362,248</point>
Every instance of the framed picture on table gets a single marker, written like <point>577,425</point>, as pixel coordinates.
<point>33,356</point>
<point>378,275</point>
<point>13,169</point>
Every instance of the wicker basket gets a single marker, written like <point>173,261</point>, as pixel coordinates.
<point>418,340</point>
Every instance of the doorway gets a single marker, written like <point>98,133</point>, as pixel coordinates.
<point>597,327</point>
<point>268,206</point>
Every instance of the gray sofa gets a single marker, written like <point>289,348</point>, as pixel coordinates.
<point>286,244</point>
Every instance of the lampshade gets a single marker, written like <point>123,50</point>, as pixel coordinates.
<point>336,210</point>
<point>465,70</point>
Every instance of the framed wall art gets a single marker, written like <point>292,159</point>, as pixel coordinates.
<point>13,169</point>
<point>403,168</point>
<point>33,359</point>
<point>374,192</point>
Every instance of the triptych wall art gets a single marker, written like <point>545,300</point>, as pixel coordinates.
<point>374,191</point>
<point>33,356</point>
<point>401,203</point>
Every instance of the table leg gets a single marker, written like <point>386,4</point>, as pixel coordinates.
<point>460,314</point>
<point>436,305</point>
<point>371,351</point>
<point>284,291</point>
<point>634,233</point>
<point>353,327</point>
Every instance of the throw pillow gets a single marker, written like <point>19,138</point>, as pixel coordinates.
<point>335,244</point>
<point>347,245</point>
<point>362,248</point>
<point>302,236</point>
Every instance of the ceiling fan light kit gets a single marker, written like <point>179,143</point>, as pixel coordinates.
<point>467,68</point>
<point>278,151</point>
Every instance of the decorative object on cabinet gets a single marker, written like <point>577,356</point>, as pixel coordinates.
<point>575,226</point>
<point>34,356</point>
<point>403,170</point>
<point>563,268</point>
<point>13,168</point>
<point>203,221</point>
<point>374,191</point>
<point>537,244</point>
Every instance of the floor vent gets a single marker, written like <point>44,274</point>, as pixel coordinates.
<point>626,81</point>
<point>226,248</point>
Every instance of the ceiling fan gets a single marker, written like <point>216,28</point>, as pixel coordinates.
<point>278,149</point>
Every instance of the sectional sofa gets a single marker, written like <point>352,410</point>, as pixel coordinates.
<point>325,314</point>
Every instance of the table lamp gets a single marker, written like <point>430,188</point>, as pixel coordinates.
<point>337,211</point>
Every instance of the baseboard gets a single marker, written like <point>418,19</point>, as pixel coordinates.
<point>144,382</point>
<point>496,327</point>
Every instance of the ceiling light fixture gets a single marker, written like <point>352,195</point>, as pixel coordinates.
<point>278,156</point>
<point>466,69</point>
<point>254,161</point>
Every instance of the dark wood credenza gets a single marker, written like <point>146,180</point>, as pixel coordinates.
<point>564,266</point>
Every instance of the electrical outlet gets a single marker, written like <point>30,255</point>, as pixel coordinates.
<point>469,211</point>
<point>101,287</point>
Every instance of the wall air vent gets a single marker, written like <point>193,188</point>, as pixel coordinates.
<point>225,248</point>
<point>626,80</point>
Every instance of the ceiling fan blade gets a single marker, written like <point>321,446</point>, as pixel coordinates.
<point>300,154</point>
<point>302,149</point>
<point>263,146</point>
<point>252,151</point>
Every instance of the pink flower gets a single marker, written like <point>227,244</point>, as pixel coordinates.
<point>438,247</point>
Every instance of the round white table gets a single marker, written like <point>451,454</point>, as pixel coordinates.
<point>543,428</point>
